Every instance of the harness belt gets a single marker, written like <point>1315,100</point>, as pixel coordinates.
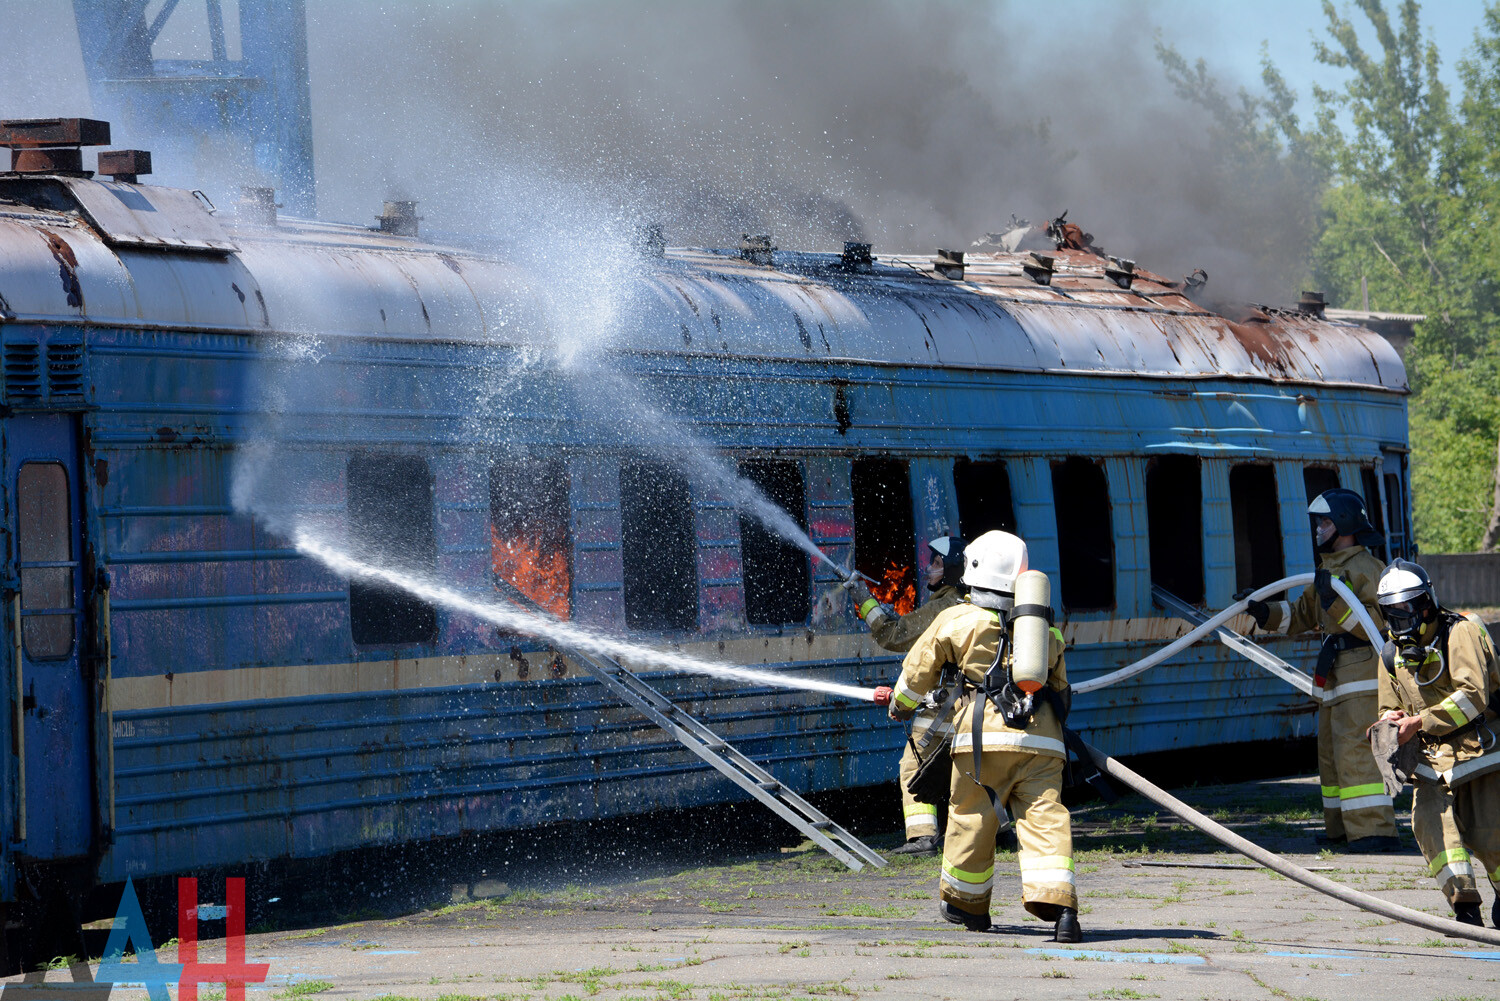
<point>1328,653</point>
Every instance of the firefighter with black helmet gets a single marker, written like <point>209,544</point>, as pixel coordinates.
<point>1008,749</point>
<point>1356,808</point>
<point>930,726</point>
<point>1441,687</point>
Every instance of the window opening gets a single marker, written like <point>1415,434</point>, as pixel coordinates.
<point>44,547</point>
<point>1371,483</point>
<point>659,547</point>
<point>1316,479</point>
<point>531,543</point>
<point>1174,518</point>
<point>885,530</point>
<point>1257,526</point>
<point>984,500</point>
<point>391,523</point>
<point>1085,537</point>
<point>1395,516</point>
<point>778,578</point>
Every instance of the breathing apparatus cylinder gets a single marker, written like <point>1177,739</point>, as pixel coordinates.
<point>1031,621</point>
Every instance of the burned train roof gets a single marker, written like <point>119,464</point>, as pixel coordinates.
<point>75,249</point>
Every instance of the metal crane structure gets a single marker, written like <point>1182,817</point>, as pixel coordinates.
<point>206,119</point>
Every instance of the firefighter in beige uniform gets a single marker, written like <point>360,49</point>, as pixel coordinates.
<point>1021,767</point>
<point>1440,686</point>
<point>1355,804</point>
<point>930,725</point>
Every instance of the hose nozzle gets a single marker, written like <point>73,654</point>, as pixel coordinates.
<point>882,696</point>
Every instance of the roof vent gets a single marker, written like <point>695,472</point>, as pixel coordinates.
<point>51,145</point>
<point>396,218</point>
<point>257,206</point>
<point>1120,271</point>
<point>1039,267</point>
<point>651,240</point>
<point>757,249</point>
<point>857,257</point>
<point>1312,304</point>
<point>950,264</point>
<point>125,165</point>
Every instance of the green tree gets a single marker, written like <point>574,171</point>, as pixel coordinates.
<point>1407,184</point>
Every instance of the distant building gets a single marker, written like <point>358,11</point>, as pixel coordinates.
<point>1394,327</point>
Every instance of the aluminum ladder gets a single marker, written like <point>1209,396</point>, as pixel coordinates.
<point>716,751</point>
<point>1246,648</point>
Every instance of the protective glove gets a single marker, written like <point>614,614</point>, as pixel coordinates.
<point>1243,593</point>
<point>899,714</point>
<point>1260,612</point>
<point>1323,584</point>
<point>859,590</point>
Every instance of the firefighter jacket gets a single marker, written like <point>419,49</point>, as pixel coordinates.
<point>898,633</point>
<point>1462,658</point>
<point>967,636</point>
<point>1354,669</point>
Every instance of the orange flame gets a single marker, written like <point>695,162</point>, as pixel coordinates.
<point>897,588</point>
<point>542,577</point>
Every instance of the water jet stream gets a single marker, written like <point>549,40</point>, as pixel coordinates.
<point>544,627</point>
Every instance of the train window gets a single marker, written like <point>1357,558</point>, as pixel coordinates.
<point>391,523</point>
<point>530,541</point>
<point>1257,525</point>
<point>1085,536</point>
<point>885,529</point>
<point>44,543</point>
<point>778,579</point>
<point>1316,479</point>
<point>1371,485</point>
<point>659,547</point>
<point>1174,519</point>
<point>984,501</point>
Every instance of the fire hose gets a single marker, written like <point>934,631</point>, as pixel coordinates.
<point>1220,833</point>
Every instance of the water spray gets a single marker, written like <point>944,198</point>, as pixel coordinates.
<point>542,626</point>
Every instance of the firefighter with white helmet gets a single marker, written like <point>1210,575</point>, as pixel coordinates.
<point>1356,808</point>
<point>1441,687</point>
<point>930,726</point>
<point>1008,749</point>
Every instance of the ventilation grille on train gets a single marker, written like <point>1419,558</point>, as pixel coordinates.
<point>64,370</point>
<point>23,373</point>
<point>29,384</point>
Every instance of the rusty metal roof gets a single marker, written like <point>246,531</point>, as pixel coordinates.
<point>61,260</point>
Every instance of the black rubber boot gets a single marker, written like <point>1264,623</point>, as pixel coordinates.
<point>1067,928</point>
<point>1006,841</point>
<point>973,922</point>
<point>1495,911</point>
<point>1375,844</point>
<point>927,844</point>
<point>1468,914</point>
<point>1328,840</point>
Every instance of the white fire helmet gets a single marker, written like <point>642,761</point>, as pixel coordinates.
<point>994,561</point>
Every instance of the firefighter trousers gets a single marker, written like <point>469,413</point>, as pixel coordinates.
<point>1455,828</point>
<point>1029,786</point>
<point>1354,801</point>
<point>921,818</point>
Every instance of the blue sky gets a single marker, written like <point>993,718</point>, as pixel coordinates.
<point>1229,34</point>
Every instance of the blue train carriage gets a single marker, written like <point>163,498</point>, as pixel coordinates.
<point>187,692</point>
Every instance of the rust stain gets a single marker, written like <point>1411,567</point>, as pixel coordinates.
<point>67,267</point>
